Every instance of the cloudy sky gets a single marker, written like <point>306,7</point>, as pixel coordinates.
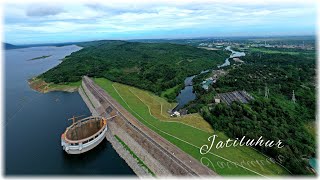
<point>68,20</point>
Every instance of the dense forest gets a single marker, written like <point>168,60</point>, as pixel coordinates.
<point>151,66</point>
<point>274,117</point>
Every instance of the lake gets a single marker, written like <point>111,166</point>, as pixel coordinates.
<point>34,122</point>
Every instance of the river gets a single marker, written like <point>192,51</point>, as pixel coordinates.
<point>232,55</point>
<point>34,122</point>
<point>186,94</point>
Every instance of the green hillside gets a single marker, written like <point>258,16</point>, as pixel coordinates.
<point>151,66</point>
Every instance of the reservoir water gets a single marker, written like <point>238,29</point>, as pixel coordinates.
<point>34,122</point>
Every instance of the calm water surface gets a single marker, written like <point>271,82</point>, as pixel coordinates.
<point>186,94</point>
<point>34,122</point>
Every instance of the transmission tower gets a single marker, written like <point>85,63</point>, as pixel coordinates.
<point>293,97</point>
<point>266,92</point>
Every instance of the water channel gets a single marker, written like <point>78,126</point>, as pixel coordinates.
<point>186,94</point>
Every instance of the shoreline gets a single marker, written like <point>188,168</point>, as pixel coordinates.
<point>41,86</point>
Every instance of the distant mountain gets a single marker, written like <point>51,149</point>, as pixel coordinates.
<point>10,46</point>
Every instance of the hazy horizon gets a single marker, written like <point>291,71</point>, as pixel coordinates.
<point>77,21</point>
<point>208,37</point>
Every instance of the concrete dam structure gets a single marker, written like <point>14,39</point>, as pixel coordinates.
<point>159,155</point>
<point>84,135</point>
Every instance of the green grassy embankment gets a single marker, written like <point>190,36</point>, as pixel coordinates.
<point>190,135</point>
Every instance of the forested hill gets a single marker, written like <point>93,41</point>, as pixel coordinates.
<point>10,46</point>
<point>150,66</point>
<point>274,114</point>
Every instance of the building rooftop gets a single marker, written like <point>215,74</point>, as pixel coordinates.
<point>229,97</point>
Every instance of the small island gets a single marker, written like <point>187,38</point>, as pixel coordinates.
<point>38,58</point>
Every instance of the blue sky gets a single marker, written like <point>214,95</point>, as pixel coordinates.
<point>65,21</point>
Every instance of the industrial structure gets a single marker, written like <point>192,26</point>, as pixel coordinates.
<point>84,134</point>
<point>229,97</point>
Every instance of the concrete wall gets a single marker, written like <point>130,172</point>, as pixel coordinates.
<point>93,100</point>
<point>124,154</point>
<point>87,101</point>
<point>121,130</point>
<point>86,130</point>
<point>150,150</point>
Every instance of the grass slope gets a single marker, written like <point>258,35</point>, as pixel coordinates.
<point>226,161</point>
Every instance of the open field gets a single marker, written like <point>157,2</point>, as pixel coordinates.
<point>273,51</point>
<point>190,133</point>
<point>159,107</point>
<point>312,128</point>
<point>169,91</point>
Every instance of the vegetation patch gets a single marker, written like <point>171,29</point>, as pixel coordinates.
<point>311,128</point>
<point>149,66</point>
<point>280,51</point>
<point>40,85</point>
<point>140,162</point>
<point>171,93</point>
<point>276,113</point>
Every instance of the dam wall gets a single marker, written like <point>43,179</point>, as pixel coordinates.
<point>83,93</point>
<point>123,153</point>
<point>159,155</point>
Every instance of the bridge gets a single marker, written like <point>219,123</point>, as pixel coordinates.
<point>159,155</point>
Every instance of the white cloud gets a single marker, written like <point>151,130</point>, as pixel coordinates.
<point>148,16</point>
<point>43,10</point>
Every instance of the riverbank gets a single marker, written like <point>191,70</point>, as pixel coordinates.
<point>187,94</point>
<point>40,85</point>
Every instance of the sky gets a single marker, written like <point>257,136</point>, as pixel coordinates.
<point>34,21</point>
